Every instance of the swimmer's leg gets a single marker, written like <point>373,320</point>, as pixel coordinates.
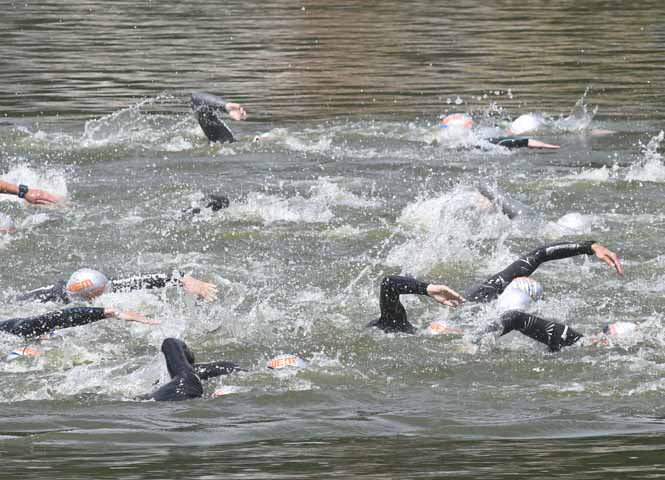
<point>184,384</point>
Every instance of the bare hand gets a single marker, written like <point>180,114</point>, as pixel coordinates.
<point>608,256</point>
<point>235,111</point>
<point>444,295</point>
<point>532,143</point>
<point>207,291</point>
<point>42,197</point>
<point>129,316</point>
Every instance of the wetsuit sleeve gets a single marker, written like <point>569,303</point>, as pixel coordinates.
<point>41,324</point>
<point>553,334</point>
<point>184,384</point>
<point>393,315</point>
<point>151,280</point>
<point>54,293</point>
<point>510,142</point>
<point>214,369</point>
<point>525,266</point>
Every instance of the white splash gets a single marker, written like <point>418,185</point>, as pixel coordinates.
<point>650,168</point>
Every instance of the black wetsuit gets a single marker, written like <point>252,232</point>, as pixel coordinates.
<point>510,142</point>
<point>509,207</point>
<point>394,319</point>
<point>186,375</point>
<point>46,323</point>
<point>213,201</point>
<point>208,111</point>
<point>58,292</point>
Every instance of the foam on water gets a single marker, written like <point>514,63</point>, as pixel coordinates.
<point>444,228</point>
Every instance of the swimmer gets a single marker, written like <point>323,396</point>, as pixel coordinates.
<point>207,109</point>
<point>30,327</point>
<point>393,315</point>
<point>7,225</point>
<point>30,195</point>
<point>490,196</point>
<point>86,284</point>
<point>555,334</point>
<point>213,201</point>
<point>463,122</point>
<point>186,375</point>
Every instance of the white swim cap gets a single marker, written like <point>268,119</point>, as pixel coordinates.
<point>7,225</point>
<point>457,120</point>
<point>620,329</point>
<point>86,284</point>
<point>284,361</point>
<point>532,287</point>
<point>514,299</point>
<point>525,123</point>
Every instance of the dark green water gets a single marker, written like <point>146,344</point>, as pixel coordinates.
<point>351,188</point>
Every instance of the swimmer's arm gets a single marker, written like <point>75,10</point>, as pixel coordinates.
<point>527,264</point>
<point>149,281</point>
<point>214,369</point>
<point>53,293</point>
<point>41,324</point>
<point>207,291</point>
<point>32,195</point>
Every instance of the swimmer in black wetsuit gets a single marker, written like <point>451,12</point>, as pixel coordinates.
<point>208,111</point>
<point>69,317</point>
<point>186,375</point>
<point>393,315</point>
<point>463,121</point>
<point>86,284</point>
<point>213,201</point>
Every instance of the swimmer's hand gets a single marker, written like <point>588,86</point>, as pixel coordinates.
<point>444,295</point>
<point>129,316</point>
<point>35,196</point>
<point>532,143</point>
<point>608,256</point>
<point>207,291</point>
<point>235,111</point>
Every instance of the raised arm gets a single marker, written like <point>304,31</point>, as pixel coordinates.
<point>527,264</point>
<point>393,315</point>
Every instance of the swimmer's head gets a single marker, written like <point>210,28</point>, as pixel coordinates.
<point>532,287</point>
<point>457,120</point>
<point>514,299</point>
<point>620,329</point>
<point>7,225</point>
<point>86,284</point>
<point>216,201</point>
<point>284,361</point>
